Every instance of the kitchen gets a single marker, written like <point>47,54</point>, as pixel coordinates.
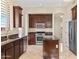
<point>38,23</point>
<point>34,23</point>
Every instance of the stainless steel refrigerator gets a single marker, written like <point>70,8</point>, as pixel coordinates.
<point>73,36</point>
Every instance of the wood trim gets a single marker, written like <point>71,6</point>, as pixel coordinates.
<point>14,17</point>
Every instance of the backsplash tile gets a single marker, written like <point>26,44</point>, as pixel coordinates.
<point>3,38</point>
<point>13,36</point>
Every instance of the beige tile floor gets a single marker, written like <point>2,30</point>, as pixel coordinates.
<point>36,52</point>
<point>69,55</point>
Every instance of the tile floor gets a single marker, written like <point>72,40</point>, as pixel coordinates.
<point>36,52</point>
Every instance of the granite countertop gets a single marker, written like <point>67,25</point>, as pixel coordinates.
<point>50,37</point>
<point>8,41</point>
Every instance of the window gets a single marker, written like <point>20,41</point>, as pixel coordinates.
<point>5,15</point>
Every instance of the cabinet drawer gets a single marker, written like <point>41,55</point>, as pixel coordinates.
<point>9,45</point>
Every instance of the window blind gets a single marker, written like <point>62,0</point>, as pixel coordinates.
<point>5,13</point>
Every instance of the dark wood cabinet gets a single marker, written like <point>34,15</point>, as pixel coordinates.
<point>31,38</point>
<point>2,52</point>
<point>21,46</point>
<point>17,16</point>
<point>40,18</point>
<point>9,51</point>
<point>13,49</point>
<point>74,13</point>
<point>50,49</point>
<point>16,45</point>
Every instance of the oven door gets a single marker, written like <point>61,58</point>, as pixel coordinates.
<point>39,38</point>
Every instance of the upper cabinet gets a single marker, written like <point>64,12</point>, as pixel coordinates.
<point>17,16</point>
<point>74,13</point>
<point>40,18</point>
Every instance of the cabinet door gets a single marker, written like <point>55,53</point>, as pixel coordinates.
<point>31,39</point>
<point>40,18</point>
<point>20,20</point>
<point>14,17</point>
<point>51,49</point>
<point>10,53</point>
<point>2,52</point>
<point>16,52</point>
<point>17,16</point>
<point>16,49</point>
<point>21,46</point>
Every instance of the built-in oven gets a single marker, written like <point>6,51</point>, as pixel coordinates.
<point>40,33</point>
<point>39,37</point>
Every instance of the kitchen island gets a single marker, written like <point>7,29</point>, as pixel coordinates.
<point>50,49</point>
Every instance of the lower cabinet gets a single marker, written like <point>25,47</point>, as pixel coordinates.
<point>13,49</point>
<point>21,46</point>
<point>16,48</point>
<point>31,38</point>
<point>10,53</point>
<point>2,52</point>
<point>9,50</point>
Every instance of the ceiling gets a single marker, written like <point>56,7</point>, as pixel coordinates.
<point>43,3</point>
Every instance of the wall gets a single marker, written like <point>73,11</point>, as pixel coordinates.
<point>51,10</point>
<point>65,36</point>
<point>67,17</point>
<point>58,26</point>
<point>39,10</point>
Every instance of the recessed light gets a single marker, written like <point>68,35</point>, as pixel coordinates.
<point>61,16</point>
<point>40,4</point>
